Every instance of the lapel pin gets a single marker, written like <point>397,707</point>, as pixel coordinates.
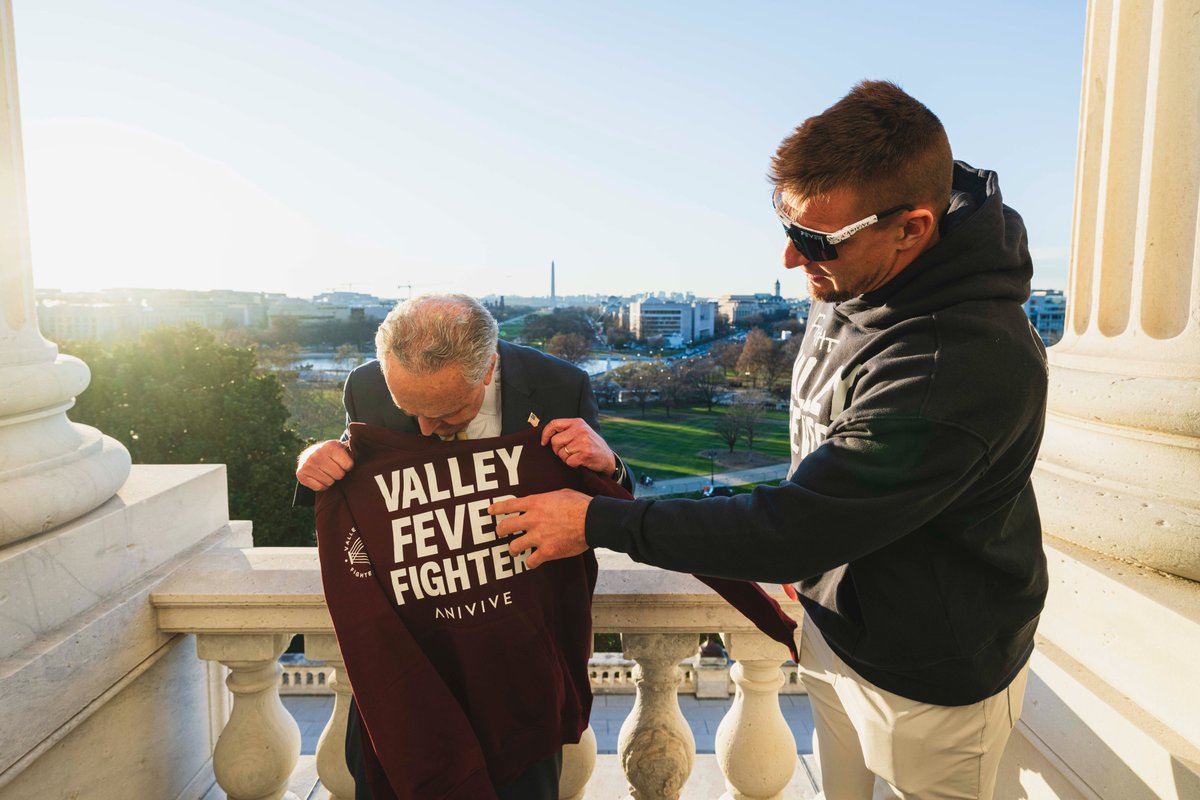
<point>533,419</point>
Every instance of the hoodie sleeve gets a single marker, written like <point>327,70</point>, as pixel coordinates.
<point>407,709</point>
<point>746,596</point>
<point>869,484</point>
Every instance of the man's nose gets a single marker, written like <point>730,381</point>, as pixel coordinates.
<point>428,426</point>
<point>792,257</point>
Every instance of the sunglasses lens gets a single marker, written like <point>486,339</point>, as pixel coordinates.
<point>812,247</point>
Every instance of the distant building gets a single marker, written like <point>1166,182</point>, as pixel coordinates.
<point>1047,311</point>
<point>739,307</point>
<point>125,313</point>
<point>650,318</point>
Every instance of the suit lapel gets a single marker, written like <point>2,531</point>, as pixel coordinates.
<point>518,392</point>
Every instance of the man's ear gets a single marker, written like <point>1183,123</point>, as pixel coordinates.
<point>491,369</point>
<point>919,226</point>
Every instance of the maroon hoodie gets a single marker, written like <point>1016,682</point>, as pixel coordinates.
<point>467,667</point>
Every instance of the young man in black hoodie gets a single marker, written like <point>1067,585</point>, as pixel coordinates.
<point>908,526</point>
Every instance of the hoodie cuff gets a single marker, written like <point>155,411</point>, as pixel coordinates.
<point>613,523</point>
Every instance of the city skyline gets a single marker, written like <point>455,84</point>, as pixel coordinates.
<point>376,147</point>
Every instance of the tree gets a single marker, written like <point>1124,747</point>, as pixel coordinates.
<point>748,409</point>
<point>176,396</point>
<point>758,355</point>
<point>726,354</point>
<point>569,347</point>
<point>785,358</point>
<point>347,357</point>
<point>672,388</point>
<point>542,327</point>
<point>721,326</point>
<point>729,428</point>
<point>705,376</point>
<point>640,380</point>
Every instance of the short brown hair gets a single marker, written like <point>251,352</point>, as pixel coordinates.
<point>878,142</point>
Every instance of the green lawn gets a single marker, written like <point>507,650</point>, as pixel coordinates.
<point>670,447</point>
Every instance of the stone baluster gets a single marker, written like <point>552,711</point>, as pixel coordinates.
<point>655,745</point>
<point>331,747</point>
<point>260,745</point>
<point>755,748</point>
<point>579,760</point>
<point>57,469</point>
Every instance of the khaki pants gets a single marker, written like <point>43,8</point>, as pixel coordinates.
<point>875,745</point>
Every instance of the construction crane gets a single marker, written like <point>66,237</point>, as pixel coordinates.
<point>410,286</point>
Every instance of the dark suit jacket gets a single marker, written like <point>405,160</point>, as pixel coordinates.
<point>530,382</point>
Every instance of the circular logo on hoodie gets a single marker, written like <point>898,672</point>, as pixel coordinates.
<point>356,555</point>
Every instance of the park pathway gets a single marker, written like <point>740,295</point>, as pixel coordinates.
<point>772,472</point>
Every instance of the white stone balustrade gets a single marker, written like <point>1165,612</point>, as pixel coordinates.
<point>655,745</point>
<point>331,752</point>
<point>755,746</point>
<point>243,604</point>
<point>260,745</point>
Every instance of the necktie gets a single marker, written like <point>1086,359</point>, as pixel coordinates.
<point>461,436</point>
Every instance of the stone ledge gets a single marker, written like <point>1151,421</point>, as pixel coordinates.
<point>1114,747</point>
<point>51,578</point>
<point>1136,629</point>
<point>272,589</point>
<point>55,679</point>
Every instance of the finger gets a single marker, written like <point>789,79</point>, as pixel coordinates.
<point>534,559</point>
<point>311,483</point>
<point>552,428</point>
<point>511,526</point>
<point>513,505</point>
<point>520,544</point>
<point>329,470</point>
<point>341,456</point>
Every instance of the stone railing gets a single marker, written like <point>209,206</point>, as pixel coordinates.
<point>609,673</point>
<point>244,605</point>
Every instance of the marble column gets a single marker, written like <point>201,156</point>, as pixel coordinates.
<point>1120,465</point>
<point>51,470</point>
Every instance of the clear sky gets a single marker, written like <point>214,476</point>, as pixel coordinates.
<point>308,145</point>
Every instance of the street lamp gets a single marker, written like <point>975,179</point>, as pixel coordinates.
<point>712,457</point>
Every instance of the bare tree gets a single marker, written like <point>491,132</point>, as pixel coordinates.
<point>347,357</point>
<point>571,347</point>
<point>726,354</point>
<point>729,428</point>
<point>640,380</point>
<point>672,384</point>
<point>781,364</point>
<point>748,409</point>
<point>757,356</point>
<point>705,377</point>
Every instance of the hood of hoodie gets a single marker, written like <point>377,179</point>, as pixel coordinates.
<point>982,254</point>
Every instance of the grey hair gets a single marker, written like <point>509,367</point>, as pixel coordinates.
<point>426,333</point>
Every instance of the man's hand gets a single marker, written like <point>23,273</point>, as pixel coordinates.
<point>322,464</point>
<point>574,441</point>
<point>552,522</point>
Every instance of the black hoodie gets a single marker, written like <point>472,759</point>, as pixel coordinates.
<point>908,525</point>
